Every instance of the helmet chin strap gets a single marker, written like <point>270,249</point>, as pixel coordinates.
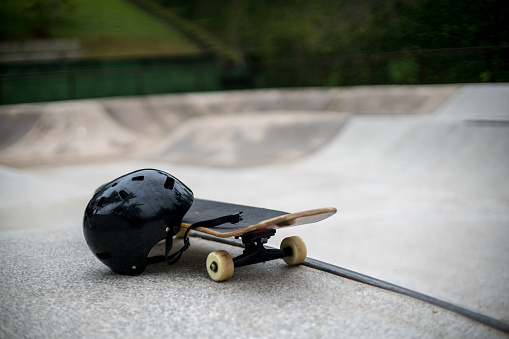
<point>172,259</point>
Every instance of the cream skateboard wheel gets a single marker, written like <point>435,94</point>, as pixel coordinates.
<point>299,251</point>
<point>220,265</point>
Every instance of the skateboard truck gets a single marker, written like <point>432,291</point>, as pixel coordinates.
<point>220,264</point>
<point>255,252</point>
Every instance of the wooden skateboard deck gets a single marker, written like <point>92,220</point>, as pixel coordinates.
<point>254,225</point>
<point>255,219</point>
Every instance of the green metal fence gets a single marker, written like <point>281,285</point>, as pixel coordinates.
<point>67,85</point>
<point>94,79</point>
<point>50,81</point>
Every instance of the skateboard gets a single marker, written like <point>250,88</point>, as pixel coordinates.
<point>254,225</point>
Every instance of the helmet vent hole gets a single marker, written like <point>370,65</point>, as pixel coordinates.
<point>100,202</point>
<point>123,194</point>
<point>169,183</point>
<point>140,178</point>
<point>103,255</point>
<point>115,184</point>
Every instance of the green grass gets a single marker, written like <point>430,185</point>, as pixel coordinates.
<point>106,28</point>
<point>203,36</point>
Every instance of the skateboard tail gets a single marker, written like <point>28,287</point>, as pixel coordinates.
<point>303,218</point>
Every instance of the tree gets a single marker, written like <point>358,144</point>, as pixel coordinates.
<point>49,11</point>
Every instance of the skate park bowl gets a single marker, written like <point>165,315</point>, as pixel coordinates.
<point>418,174</point>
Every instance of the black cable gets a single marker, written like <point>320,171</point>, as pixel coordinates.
<point>343,272</point>
<point>362,278</point>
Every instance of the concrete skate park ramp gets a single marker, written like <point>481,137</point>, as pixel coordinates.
<point>418,174</point>
<point>219,129</point>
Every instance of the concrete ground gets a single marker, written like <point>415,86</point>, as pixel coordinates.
<point>418,175</point>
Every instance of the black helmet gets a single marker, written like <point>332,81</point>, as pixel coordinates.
<point>129,215</point>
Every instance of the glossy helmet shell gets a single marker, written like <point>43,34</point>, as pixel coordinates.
<point>129,215</point>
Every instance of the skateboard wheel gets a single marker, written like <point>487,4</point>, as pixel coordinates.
<point>220,265</point>
<point>299,251</point>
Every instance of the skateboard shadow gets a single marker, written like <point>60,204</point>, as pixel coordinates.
<point>192,264</point>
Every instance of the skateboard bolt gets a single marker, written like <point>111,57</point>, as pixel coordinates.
<point>167,229</point>
<point>134,267</point>
<point>213,266</point>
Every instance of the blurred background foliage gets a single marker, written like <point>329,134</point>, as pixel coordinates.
<point>276,29</point>
<point>235,44</point>
<point>351,36</point>
<point>279,29</point>
<point>105,28</point>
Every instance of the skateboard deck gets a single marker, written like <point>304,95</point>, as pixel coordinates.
<point>254,219</point>
<point>254,225</point>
